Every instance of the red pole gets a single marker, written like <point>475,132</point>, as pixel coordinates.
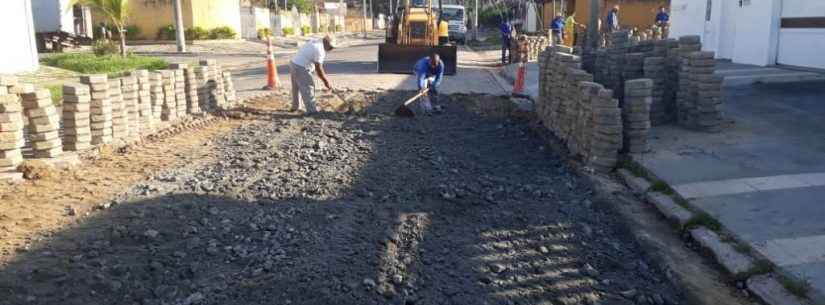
<point>271,70</point>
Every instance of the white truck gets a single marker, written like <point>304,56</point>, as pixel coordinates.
<point>456,20</point>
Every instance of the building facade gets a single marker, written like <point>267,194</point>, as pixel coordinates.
<point>758,32</point>
<point>639,14</point>
<point>58,16</point>
<point>17,30</point>
<point>149,16</point>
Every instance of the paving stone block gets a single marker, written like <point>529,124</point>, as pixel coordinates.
<point>733,261</point>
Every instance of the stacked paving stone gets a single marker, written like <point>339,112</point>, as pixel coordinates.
<point>636,114</point>
<point>580,112</point>
<point>169,107</point>
<point>229,87</point>
<point>44,124</point>
<point>619,46</point>
<point>120,126</point>
<point>129,86</point>
<point>11,127</point>
<point>706,92</point>
<point>77,133</point>
<point>607,131</point>
<point>191,88</point>
<point>535,45</point>
<point>216,86</point>
<point>158,98</point>
<point>633,66</point>
<point>654,69</point>
<point>101,108</point>
<point>684,97</point>
<point>144,102</point>
<point>202,76</point>
<point>180,93</point>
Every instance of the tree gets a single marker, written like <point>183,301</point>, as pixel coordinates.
<point>303,6</point>
<point>116,10</point>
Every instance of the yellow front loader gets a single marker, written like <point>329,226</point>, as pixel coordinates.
<point>415,31</point>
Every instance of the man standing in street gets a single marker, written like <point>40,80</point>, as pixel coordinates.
<point>506,38</point>
<point>556,28</point>
<point>613,20</point>
<point>662,22</point>
<point>429,71</point>
<point>310,57</point>
<point>570,29</point>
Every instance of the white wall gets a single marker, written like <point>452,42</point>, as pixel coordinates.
<point>727,29</point>
<point>757,32</point>
<point>687,17</point>
<point>802,47</point>
<point>52,16</point>
<point>17,30</point>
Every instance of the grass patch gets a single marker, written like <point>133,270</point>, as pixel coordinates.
<point>57,94</point>
<point>662,187</point>
<point>705,220</point>
<point>761,266</point>
<point>798,288</point>
<point>634,168</point>
<point>113,65</point>
<point>742,247</point>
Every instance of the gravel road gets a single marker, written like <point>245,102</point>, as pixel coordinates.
<point>361,208</point>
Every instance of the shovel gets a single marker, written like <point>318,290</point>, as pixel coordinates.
<point>404,110</point>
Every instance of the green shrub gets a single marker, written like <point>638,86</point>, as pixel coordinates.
<point>108,64</point>
<point>196,33</point>
<point>132,32</point>
<point>105,47</point>
<point>166,33</point>
<point>223,32</point>
<point>339,28</point>
<point>263,33</point>
<point>491,16</point>
<point>306,30</point>
<point>288,31</point>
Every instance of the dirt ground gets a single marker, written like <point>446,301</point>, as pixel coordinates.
<point>34,210</point>
<point>348,207</point>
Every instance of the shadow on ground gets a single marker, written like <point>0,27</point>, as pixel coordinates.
<point>457,208</point>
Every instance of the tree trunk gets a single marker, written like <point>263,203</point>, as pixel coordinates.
<point>122,43</point>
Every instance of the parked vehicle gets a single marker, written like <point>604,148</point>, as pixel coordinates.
<point>457,21</point>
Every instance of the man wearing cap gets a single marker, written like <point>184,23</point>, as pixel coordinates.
<point>309,57</point>
<point>429,71</point>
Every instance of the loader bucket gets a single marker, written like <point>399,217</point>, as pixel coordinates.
<point>393,58</point>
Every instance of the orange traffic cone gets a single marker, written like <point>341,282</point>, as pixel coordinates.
<point>518,86</point>
<point>271,69</point>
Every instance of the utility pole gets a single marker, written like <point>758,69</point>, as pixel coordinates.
<point>475,21</point>
<point>364,6</point>
<point>593,30</point>
<point>179,35</point>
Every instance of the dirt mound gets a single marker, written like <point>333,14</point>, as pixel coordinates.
<point>36,170</point>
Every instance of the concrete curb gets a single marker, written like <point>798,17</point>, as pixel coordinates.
<point>734,262</point>
<point>667,207</point>
<point>770,291</point>
<point>765,286</point>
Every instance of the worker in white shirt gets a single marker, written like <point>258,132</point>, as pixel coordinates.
<point>310,57</point>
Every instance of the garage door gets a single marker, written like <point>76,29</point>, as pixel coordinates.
<point>802,33</point>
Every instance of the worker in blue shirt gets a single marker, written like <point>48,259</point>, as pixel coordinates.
<point>662,18</point>
<point>429,71</point>
<point>506,38</point>
<point>613,19</point>
<point>556,29</point>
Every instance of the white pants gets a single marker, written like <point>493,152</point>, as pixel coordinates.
<point>303,88</point>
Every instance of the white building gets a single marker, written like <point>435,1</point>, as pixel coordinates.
<point>758,32</point>
<point>17,30</point>
<point>59,16</point>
